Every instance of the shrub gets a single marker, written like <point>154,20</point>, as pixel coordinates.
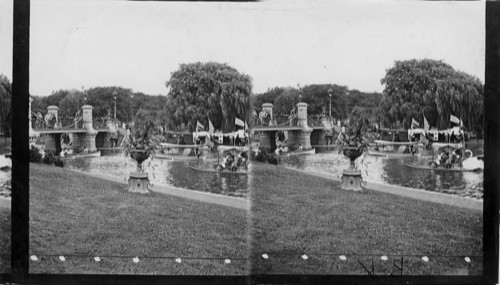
<point>58,162</point>
<point>49,158</point>
<point>261,156</point>
<point>35,155</point>
<point>272,159</point>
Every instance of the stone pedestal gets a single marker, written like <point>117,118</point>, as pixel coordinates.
<point>268,108</point>
<point>53,110</point>
<point>89,139</point>
<point>50,143</point>
<point>138,182</point>
<point>351,179</point>
<point>304,136</point>
<point>265,140</point>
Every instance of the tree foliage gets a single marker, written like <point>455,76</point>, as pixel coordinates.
<point>432,88</point>
<point>5,104</point>
<point>102,101</point>
<point>287,101</point>
<point>202,91</point>
<point>345,103</point>
<point>128,103</point>
<point>364,106</point>
<point>318,99</point>
<point>71,103</point>
<point>267,97</point>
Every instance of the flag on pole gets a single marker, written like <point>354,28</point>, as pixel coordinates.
<point>454,119</point>
<point>414,123</point>
<point>199,127</point>
<point>239,122</point>
<point>426,124</point>
<point>210,127</point>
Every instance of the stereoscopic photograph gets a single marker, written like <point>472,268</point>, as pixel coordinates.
<point>251,138</point>
<point>139,134</point>
<point>369,137</point>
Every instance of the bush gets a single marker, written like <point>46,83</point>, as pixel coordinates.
<point>58,162</point>
<point>35,155</point>
<point>263,156</point>
<point>272,159</point>
<point>49,158</point>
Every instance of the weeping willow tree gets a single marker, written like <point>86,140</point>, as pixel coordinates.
<point>430,88</point>
<point>203,91</point>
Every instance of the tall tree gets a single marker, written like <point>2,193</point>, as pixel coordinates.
<point>5,104</point>
<point>102,99</point>
<point>203,91</point>
<point>318,99</point>
<point>71,103</point>
<point>363,105</point>
<point>285,102</point>
<point>432,88</point>
<point>267,97</point>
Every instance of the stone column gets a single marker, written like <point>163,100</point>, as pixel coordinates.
<point>265,140</point>
<point>32,134</point>
<point>88,139</point>
<point>50,142</point>
<point>304,136</point>
<point>264,137</point>
<point>268,108</point>
<point>54,111</point>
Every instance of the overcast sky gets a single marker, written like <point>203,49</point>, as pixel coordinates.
<point>278,43</point>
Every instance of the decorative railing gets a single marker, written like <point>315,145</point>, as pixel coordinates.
<point>100,123</point>
<point>314,121</point>
<point>278,120</point>
<point>71,122</point>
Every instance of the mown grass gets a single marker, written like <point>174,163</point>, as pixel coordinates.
<point>295,214</point>
<point>5,240</point>
<point>75,214</point>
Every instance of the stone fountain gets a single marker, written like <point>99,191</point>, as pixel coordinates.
<point>140,149</point>
<point>351,177</point>
<point>139,180</point>
<point>352,145</point>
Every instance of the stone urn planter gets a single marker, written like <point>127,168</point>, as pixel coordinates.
<point>139,180</point>
<point>351,177</point>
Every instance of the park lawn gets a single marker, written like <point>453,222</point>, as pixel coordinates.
<point>72,213</point>
<point>295,214</point>
<point>4,240</point>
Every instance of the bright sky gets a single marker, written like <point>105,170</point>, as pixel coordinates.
<point>278,43</point>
